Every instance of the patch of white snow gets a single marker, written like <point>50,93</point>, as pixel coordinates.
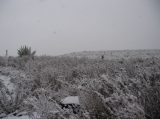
<point>15,117</point>
<point>71,100</point>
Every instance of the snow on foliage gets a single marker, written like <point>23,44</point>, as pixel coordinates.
<point>108,89</point>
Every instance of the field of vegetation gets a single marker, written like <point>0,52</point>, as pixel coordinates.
<point>116,54</point>
<point>36,86</point>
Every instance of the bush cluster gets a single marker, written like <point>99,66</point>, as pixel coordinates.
<point>107,89</point>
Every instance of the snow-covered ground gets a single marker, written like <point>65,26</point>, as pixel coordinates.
<point>9,73</point>
<point>15,117</point>
<point>6,75</point>
<point>71,100</point>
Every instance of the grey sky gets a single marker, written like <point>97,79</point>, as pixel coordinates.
<point>56,27</point>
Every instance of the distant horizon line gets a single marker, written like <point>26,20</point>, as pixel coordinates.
<point>92,51</point>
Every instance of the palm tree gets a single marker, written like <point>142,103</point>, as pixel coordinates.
<point>26,51</point>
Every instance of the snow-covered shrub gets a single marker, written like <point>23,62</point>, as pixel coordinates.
<point>43,107</point>
<point>12,61</point>
<point>2,61</point>
<point>110,97</point>
<point>128,82</point>
<point>94,103</point>
<point>152,102</point>
<point>11,103</point>
<point>14,90</point>
<point>125,106</point>
<point>151,97</point>
<point>127,89</point>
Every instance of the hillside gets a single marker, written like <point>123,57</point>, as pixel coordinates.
<point>116,54</point>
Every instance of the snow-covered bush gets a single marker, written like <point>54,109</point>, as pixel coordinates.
<point>94,103</point>
<point>113,89</point>
<point>11,103</point>
<point>44,107</point>
<point>2,61</point>
<point>109,98</point>
<point>126,78</point>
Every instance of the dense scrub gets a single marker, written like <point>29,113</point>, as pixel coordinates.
<point>107,89</point>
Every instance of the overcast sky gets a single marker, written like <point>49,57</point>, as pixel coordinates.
<point>56,27</point>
